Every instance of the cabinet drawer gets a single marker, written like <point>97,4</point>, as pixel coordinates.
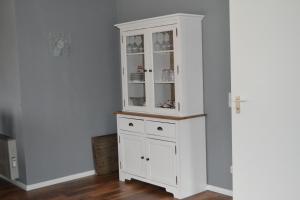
<point>163,129</point>
<point>130,124</point>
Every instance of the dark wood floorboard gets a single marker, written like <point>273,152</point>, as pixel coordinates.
<point>98,188</point>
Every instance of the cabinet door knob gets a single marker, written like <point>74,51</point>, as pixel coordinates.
<point>159,128</point>
<point>150,70</point>
<point>145,70</point>
<point>142,157</point>
<point>147,159</point>
<point>130,124</point>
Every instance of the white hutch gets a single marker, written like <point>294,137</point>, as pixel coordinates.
<point>161,129</point>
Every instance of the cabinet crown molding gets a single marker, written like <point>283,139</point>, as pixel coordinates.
<point>156,21</point>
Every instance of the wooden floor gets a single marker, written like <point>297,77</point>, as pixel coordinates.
<point>97,188</point>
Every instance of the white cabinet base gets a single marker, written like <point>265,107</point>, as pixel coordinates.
<point>177,193</point>
<point>125,176</point>
<point>178,146</point>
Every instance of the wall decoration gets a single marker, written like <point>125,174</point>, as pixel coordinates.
<point>59,43</point>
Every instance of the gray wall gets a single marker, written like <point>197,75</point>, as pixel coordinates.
<point>10,109</point>
<point>66,100</point>
<point>216,52</point>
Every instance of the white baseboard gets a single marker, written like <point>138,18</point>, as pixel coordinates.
<point>85,174</point>
<point>60,180</point>
<point>219,190</point>
<point>14,182</point>
<point>50,182</point>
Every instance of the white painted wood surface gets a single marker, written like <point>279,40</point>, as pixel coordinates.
<point>265,46</point>
<point>187,37</point>
<point>167,153</point>
<point>131,124</point>
<point>132,149</point>
<point>162,161</point>
<point>177,163</point>
<point>158,128</point>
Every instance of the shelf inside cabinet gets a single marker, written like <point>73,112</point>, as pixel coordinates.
<point>132,54</point>
<point>164,82</point>
<point>164,51</point>
<point>136,82</point>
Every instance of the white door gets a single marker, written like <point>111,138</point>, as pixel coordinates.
<point>161,161</point>
<point>132,155</point>
<point>265,72</point>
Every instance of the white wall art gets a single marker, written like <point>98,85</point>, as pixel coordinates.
<point>59,43</point>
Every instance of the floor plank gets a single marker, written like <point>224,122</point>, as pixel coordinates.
<point>98,188</point>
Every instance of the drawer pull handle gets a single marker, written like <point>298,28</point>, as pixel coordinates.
<point>130,124</point>
<point>147,159</point>
<point>142,157</point>
<point>160,128</point>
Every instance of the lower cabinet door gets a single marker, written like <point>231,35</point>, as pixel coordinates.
<point>161,161</point>
<point>133,157</point>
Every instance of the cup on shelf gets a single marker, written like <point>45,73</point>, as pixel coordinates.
<point>160,41</point>
<point>140,69</point>
<point>171,75</point>
<point>138,42</point>
<point>135,48</point>
<point>129,48</point>
<point>164,74</point>
<point>166,43</point>
<point>130,44</point>
<point>167,74</point>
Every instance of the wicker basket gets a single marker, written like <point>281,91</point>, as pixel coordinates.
<point>105,152</point>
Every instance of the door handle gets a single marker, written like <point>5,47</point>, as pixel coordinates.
<point>237,100</point>
<point>159,128</point>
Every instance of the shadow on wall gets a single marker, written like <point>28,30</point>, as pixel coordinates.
<point>6,123</point>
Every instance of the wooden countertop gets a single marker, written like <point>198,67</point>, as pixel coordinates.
<point>158,116</point>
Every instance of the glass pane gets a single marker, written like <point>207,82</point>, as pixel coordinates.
<point>163,41</point>
<point>135,70</point>
<point>163,67</point>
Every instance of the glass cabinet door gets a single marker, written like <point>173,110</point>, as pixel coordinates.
<point>163,69</point>
<point>135,72</point>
